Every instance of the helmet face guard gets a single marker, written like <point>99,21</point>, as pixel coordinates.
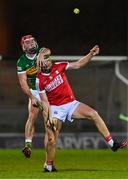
<point>46,68</point>
<point>32,50</point>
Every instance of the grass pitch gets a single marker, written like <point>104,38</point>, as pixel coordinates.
<point>71,164</point>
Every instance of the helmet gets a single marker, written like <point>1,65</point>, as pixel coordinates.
<point>32,50</point>
<point>46,68</point>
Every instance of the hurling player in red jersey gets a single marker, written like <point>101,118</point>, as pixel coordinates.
<point>54,87</point>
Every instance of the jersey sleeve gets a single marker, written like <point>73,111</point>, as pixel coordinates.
<point>20,67</point>
<point>67,66</point>
<point>63,65</point>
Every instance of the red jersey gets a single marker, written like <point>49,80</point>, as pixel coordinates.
<point>56,85</point>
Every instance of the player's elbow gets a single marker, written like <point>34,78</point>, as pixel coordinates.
<point>22,84</point>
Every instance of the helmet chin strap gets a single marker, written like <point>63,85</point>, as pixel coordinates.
<point>33,50</point>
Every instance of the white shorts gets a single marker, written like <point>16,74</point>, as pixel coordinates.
<point>35,93</point>
<point>65,111</point>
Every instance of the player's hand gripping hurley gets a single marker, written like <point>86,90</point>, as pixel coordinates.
<point>51,123</point>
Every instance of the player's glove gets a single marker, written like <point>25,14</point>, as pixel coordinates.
<point>39,105</point>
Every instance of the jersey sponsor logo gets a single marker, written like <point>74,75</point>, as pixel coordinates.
<point>55,83</point>
<point>31,71</point>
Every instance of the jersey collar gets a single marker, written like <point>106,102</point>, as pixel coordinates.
<point>31,58</point>
<point>46,74</point>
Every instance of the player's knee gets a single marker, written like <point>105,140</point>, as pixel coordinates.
<point>52,141</point>
<point>94,115</point>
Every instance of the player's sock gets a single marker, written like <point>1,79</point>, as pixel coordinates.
<point>49,162</point>
<point>49,165</point>
<point>109,140</point>
<point>28,143</point>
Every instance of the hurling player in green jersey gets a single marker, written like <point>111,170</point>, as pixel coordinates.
<point>27,70</point>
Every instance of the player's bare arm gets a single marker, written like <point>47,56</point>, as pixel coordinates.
<point>84,60</point>
<point>50,122</point>
<point>23,82</point>
<point>40,59</point>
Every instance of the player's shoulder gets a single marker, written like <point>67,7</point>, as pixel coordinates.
<point>21,59</point>
<point>40,76</point>
<point>62,65</point>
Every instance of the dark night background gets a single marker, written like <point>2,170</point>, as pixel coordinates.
<point>54,25</point>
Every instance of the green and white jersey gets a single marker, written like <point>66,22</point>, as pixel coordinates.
<point>27,65</point>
